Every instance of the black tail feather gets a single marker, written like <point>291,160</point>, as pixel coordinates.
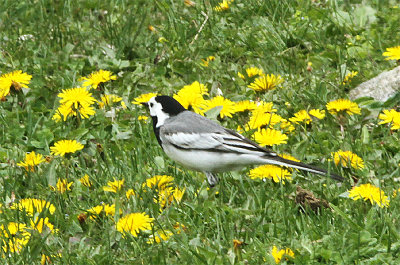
<point>277,160</point>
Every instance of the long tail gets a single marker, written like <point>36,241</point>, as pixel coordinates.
<point>277,160</point>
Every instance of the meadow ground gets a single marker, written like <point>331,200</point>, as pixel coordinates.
<point>110,196</point>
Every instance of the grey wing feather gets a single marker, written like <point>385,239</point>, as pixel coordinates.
<point>190,122</point>
<point>204,141</point>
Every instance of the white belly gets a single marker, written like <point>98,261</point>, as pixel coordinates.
<point>213,162</point>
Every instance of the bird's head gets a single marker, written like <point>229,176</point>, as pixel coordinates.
<point>163,107</point>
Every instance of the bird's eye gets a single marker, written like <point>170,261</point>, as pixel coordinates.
<point>151,105</point>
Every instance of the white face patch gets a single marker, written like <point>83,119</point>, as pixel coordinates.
<point>156,111</point>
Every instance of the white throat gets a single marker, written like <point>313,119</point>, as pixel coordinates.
<point>156,110</point>
<point>161,117</point>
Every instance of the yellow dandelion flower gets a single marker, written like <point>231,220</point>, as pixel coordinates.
<point>392,53</point>
<point>239,129</point>
<point>85,181</point>
<point>394,193</point>
<point>16,79</point>
<point>151,28</point>
<point>263,107</point>
<point>304,116</point>
<point>179,227</point>
<point>206,62</point>
<point>75,97</point>
<point>224,5</point>
<point>133,223</point>
<point>287,126</point>
<point>301,116</point>
<point>158,182</point>
<point>240,75</point>
<point>102,210</point>
<point>160,235</point>
<point>31,160</point>
<point>3,94</point>
<point>39,224</point>
<point>114,186</point>
<point>260,120</point>
<point>317,113</point>
<point>191,96</point>
<point>282,253</point>
<point>143,118</point>
<point>254,71</point>
<point>64,111</point>
<point>228,107</point>
<point>390,116</point>
<point>266,82</point>
<point>277,174</point>
<point>349,76</point>
<point>289,157</point>
<point>14,236</point>
<point>62,186</point>
<point>245,105</point>
<point>96,78</point>
<point>49,259</point>
<point>336,106</point>
<point>144,98</point>
<point>169,195</point>
<point>347,159</point>
<point>108,100</point>
<point>129,193</point>
<point>371,193</point>
<point>190,101</point>
<point>178,194</point>
<point>63,147</point>
<point>32,206</point>
<point>270,137</point>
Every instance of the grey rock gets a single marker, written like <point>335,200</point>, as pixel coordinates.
<point>381,87</point>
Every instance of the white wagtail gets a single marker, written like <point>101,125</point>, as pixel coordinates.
<point>201,144</point>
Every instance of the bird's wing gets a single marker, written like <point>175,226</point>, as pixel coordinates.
<point>225,141</point>
<point>193,141</point>
<point>189,130</point>
<point>190,122</point>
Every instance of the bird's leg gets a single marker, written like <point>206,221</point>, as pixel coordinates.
<point>212,180</point>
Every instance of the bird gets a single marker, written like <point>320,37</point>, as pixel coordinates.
<point>201,144</point>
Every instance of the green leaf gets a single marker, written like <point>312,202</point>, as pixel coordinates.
<point>159,161</point>
<point>78,133</point>
<point>365,135</point>
<point>51,173</point>
<point>37,144</point>
<point>364,15</point>
<point>123,135</point>
<point>213,113</point>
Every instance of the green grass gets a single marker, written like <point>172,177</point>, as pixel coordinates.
<point>71,39</point>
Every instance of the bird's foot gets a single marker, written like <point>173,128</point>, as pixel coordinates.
<point>212,180</point>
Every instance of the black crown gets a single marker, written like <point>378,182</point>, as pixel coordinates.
<point>170,105</point>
